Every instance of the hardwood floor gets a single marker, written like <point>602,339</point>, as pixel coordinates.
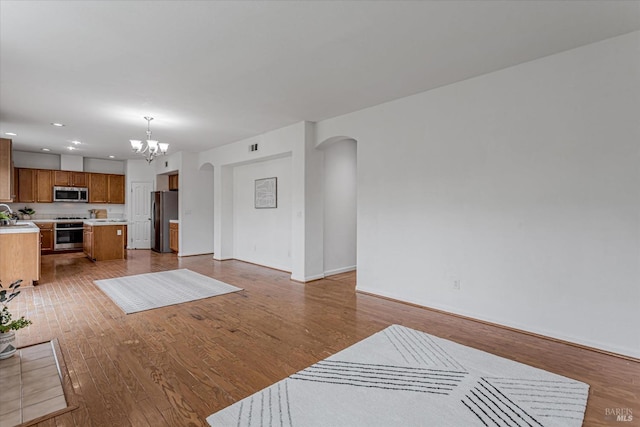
<point>176,365</point>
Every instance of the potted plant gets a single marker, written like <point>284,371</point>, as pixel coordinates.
<point>26,212</point>
<point>8,326</point>
<point>4,218</point>
<point>7,218</point>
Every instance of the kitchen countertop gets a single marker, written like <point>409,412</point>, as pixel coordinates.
<point>21,227</point>
<point>42,221</point>
<point>174,221</point>
<point>105,221</point>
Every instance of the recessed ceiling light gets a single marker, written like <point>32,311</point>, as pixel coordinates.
<point>57,124</point>
<point>76,142</point>
<point>11,134</point>
<point>70,148</point>
<point>46,149</point>
<point>112,157</point>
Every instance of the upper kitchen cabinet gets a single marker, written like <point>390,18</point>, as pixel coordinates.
<point>7,186</point>
<point>70,179</point>
<point>44,186</point>
<point>33,185</point>
<point>173,182</point>
<point>98,188</point>
<point>106,188</point>
<point>26,190</point>
<point>116,189</point>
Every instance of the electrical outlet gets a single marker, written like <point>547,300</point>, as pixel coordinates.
<point>456,284</point>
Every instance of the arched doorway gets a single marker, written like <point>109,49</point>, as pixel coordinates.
<point>340,204</point>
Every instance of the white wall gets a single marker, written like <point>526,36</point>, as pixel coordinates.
<point>262,236</point>
<point>522,184</point>
<point>340,192</point>
<point>139,171</point>
<point>104,166</point>
<point>71,163</point>
<point>25,159</point>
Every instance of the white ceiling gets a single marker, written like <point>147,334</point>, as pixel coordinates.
<point>216,72</point>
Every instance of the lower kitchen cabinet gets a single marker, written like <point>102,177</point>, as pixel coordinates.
<point>46,236</point>
<point>105,242</point>
<point>173,236</point>
<point>87,241</point>
<point>21,259</point>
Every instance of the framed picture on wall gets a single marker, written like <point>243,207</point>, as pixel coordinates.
<point>266,193</point>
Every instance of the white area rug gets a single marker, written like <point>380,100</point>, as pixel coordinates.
<point>153,290</point>
<point>402,377</point>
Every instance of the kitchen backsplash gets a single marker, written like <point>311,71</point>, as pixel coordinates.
<point>81,210</point>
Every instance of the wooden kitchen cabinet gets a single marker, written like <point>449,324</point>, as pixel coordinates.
<point>98,188</point>
<point>44,186</point>
<point>33,185</point>
<point>116,189</point>
<point>105,242</point>
<point>46,236</point>
<point>36,185</point>
<point>87,241</point>
<point>26,192</point>
<point>22,258</point>
<point>173,236</point>
<point>7,183</point>
<point>173,182</point>
<point>70,179</point>
<point>106,188</point>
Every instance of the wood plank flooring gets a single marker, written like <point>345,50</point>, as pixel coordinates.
<point>176,365</point>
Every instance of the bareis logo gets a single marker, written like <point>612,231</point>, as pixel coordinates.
<point>619,414</point>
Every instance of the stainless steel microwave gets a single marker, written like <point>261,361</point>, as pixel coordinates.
<point>71,194</point>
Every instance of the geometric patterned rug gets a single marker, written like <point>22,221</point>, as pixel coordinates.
<point>403,377</point>
<point>152,290</point>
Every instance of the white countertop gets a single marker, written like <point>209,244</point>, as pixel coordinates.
<point>174,221</point>
<point>21,227</point>
<point>43,221</point>
<point>105,221</point>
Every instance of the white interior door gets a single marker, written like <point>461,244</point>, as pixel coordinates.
<point>140,233</point>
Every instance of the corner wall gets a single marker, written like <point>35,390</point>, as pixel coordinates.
<point>297,142</point>
<point>521,185</point>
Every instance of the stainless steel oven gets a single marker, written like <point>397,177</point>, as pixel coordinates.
<point>67,235</point>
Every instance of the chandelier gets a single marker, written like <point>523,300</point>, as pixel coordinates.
<point>149,148</point>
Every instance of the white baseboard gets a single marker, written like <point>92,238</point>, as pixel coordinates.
<point>340,270</point>
<point>305,279</point>
<point>584,342</point>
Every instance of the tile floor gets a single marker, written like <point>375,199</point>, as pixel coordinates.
<point>30,384</point>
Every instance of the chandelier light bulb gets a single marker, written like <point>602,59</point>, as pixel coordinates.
<point>136,145</point>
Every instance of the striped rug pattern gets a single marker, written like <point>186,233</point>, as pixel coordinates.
<point>153,290</point>
<point>400,376</point>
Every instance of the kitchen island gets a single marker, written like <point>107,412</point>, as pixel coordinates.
<point>20,253</point>
<point>105,239</point>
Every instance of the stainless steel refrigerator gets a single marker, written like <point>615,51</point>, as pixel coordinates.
<point>164,207</point>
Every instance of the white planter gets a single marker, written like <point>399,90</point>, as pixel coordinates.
<point>7,344</point>
<point>26,216</point>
